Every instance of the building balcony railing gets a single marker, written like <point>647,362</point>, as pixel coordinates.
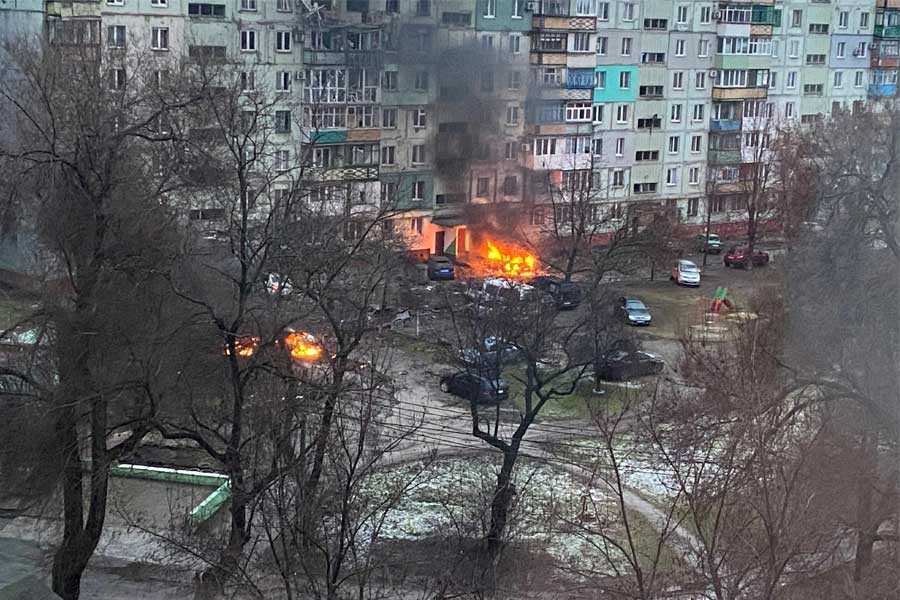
<point>722,157</point>
<point>739,93</point>
<point>883,89</point>
<point>887,31</point>
<point>354,173</point>
<point>725,125</point>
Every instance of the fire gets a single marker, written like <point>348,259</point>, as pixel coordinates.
<point>510,262</point>
<point>304,346</point>
<point>245,346</point>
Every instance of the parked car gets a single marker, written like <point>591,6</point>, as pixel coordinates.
<point>440,267</point>
<point>685,273</point>
<point>490,354</point>
<point>620,365</point>
<point>710,244</point>
<point>566,294</point>
<point>474,387</point>
<point>635,310</point>
<point>739,257</point>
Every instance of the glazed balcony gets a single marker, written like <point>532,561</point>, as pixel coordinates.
<point>882,90</point>
<point>725,125</point>
<point>739,93</point>
<point>724,157</point>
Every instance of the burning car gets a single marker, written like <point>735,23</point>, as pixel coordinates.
<point>508,261</point>
<point>302,346</point>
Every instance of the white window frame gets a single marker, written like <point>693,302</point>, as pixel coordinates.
<point>679,47</point>
<point>159,39</point>
<point>675,113</point>
<point>672,176</point>
<point>678,80</point>
<point>512,115</point>
<point>248,5</point>
<point>585,8</point>
<point>625,80</point>
<point>115,37</point>
<point>248,40</point>
<point>674,145</point>
<point>283,41</point>
<point>490,9</point>
<point>694,176</point>
<point>417,154</point>
<point>622,113</point>
<point>682,15</point>
<point>705,15</point>
<point>420,118</point>
<point>700,80</point>
<point>627,45</point>
<point>159,3</point>
<point>283,81</point>
<point>620,146</point>
<point>581,41</point>
<point>518,7</point>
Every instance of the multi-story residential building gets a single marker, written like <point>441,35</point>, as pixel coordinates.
<point>468,114</point>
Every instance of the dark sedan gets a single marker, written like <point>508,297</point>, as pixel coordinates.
<point>566,294</point>
<point>440,267</point>
<point>621,365</point>
<point>740,257</point>
<point>474,387</point>
<point>490,354</point>
<point>636,312</point>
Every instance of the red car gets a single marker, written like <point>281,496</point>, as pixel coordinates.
<point>738,257</point>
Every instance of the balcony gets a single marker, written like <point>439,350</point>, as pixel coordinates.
<point>765,15</point>
<point>883,89</point>
<point>739,93</point>
<point>725,125</point>
<point>580,79</point>
<point>722,157</point>
<point>354,173</point>
<point>887,31</point>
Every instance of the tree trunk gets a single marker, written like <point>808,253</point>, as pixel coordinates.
<point>68,563</point>
<point>865,537</point>
<point>500,504</point>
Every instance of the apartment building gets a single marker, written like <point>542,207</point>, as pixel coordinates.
<point>474,113</point>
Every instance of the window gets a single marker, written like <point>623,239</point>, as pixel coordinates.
<point>581,42</point>
<point>283,81</point>
<point>487,42</point>
<point>693,207</point>
<point>628,11</point>
<point>843,19</point>
<point>389,81</point>
<point>625,80</point>
<point>490,9</point>
<point>650,91</point>
<point>794,49</point>
<point>700,81</point>
<point>818,28</point>
<point>646,155</point>
<point>482,185</point>
<point>248,4</point>
<point>698,114</point>
<point>509,150</point>
<point>815,59</point>
<point>585,8</point>
<point>656,23</point>
<point>618,178</point>
<point>789,110</point>
<point>602,45</point>
<point>518,7</point>
<point>418,154</point>
<point>674,144</point>
<point>672,176</point>
<point>515,80</point>
<point>603,11</point>
<point>282,160</point>
<point>705,15</point>
<point>860,50</point>
<point>282,41</point>
<point>597,113</point>
<point>551,42</point>
<point>653,57</point>
<point>116,79</point>
<point>282,121</point>
<point>622,113</point>
<point>626,46</point>
<point>773,76</point>
<point>550,76</point>
<point>421,82</point>
<point>510,185</point>
<point>838,79</point>
<point>515,44</point>
<point>697,143</point>
<point>791,80</point>
<point>578,112</point>
<point>512,115</point>
<point>248,40</point>
<point>578,145</point>
<point>545,146</point>
<point>159,3</point>
<point>678,80</point>
<point>644,188</point>
<point>859,78</point>
<point>649,123</point>
<point>205,9</point>
<point>703,48</point>
<point>682,14</point>
<point>388,155</point>
<point>863,20</point>
<point>676,113</point>
<point>600,79</point>
<point>115,2</point>
<point>620,146</point>
<point>115,36</point>
<point>679,47</point>
<point>419,118</point>
<point>159,38</point>
<point>796,18</point>
<point>597,147</point>
<point>389,118</point>
<point>841,49</point>
<point>487,81</point>
<point>694,177</point>
<point>418,194</point>
<point>812,89</point>
<point>283,6</point>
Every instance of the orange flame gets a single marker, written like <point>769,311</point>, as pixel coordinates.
<point>304,346</point>
<point>510,263</point>
<point>245,346</point>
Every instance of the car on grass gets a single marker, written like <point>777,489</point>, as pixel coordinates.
<point>684,272</point>
<point>475,387</point>
<point>440,267</point>
<point>636,312</point>
<point>710,244</point>
<point>739,256</point>
<point>566,294</point>
<point>490,354</point>
<point>622,365</point>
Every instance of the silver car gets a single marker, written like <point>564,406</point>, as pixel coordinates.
<point>685,273</point>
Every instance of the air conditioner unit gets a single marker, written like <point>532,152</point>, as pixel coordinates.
<point>717,15</point>
<point>299,76</point>
<point>713,73</point>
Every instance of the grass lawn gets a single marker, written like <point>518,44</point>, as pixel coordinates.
<point>672,306</point>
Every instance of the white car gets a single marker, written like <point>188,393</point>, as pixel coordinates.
<point>685,273</point>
